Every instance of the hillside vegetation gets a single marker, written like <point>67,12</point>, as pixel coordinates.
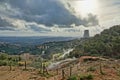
<point>105,44</point>
<point>48,48</point>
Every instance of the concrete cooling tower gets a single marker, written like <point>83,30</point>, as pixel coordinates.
<point>86,34</point>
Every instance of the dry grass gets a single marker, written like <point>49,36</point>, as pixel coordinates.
<point>110,68</point>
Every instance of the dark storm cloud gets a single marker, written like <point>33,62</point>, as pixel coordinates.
<point>46,12</point>
<point>38,29</point>
<point>4,25</point>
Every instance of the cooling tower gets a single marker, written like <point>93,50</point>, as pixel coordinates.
<point>86,34</point>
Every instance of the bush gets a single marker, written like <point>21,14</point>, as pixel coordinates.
<point>3,63</point>
<point>3,56</point>
<point>87,77</point>
<point>36,65</point>
<point>72,78</point>
<point>90,77</point>
<point>91,69</point>
<point>21,63</point>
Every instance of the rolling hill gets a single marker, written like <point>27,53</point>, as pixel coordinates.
<point>105,44</point>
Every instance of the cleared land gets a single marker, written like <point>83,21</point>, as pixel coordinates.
<point>106,69</point>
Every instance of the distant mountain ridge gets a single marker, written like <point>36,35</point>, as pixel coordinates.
<point>32,40</point>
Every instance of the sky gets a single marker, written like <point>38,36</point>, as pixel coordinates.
<point>68,18</point>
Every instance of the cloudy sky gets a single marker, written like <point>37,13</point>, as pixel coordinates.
<point>57,17</point>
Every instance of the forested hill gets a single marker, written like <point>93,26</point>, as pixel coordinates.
<point>48,48</point>
<point>105,44</point>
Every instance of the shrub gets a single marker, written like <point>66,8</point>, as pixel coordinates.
<point>3,56</point>
<point>87,77</point>
<point>118,72</point>
<point>3,63</point>
<point>91,69</point>
<point>21,63</point>
<point>90,77</point>
<point>72,78</point>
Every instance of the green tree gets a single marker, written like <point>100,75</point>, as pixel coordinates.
<point>3,56</point>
